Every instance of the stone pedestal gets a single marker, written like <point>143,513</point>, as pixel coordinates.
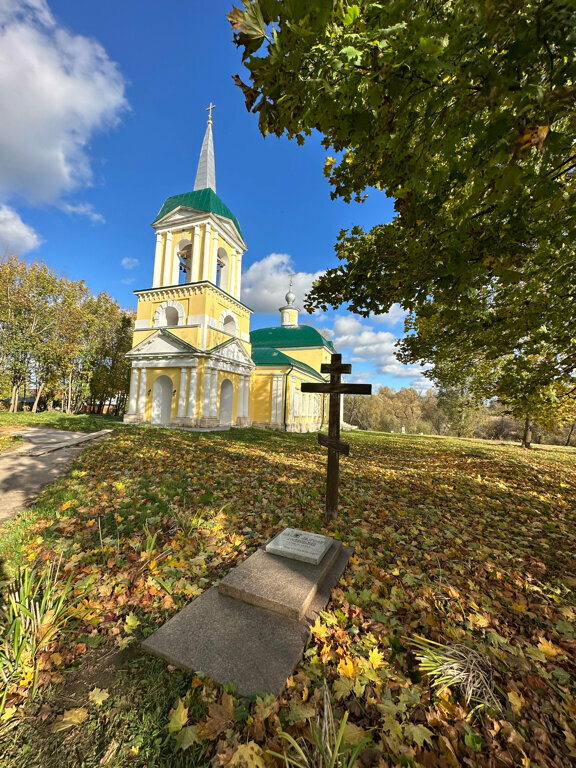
<point>252,628</point>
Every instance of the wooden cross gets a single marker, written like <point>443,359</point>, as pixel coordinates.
<point>332,441</point>
<point>209,110</point>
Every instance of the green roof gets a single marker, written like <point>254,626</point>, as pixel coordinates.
<point>201,200</point>
<point>269,356</point>
<point>285,336</point>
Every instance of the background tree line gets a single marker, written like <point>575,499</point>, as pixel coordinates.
<point>60,346</point>
<point>447,411</point>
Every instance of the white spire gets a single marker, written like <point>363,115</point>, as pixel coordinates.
<point>206,173</point>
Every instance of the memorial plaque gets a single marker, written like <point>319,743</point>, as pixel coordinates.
<point>299,545</point>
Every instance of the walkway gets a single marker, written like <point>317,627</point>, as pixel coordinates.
<point>42,459</point>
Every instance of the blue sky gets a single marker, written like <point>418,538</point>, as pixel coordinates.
<point>104,111</point>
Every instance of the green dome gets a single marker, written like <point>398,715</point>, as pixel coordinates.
<point>201,200</point>
<point>285,336</point>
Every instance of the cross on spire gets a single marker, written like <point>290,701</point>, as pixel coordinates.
<point>291,276</point>
<point>332,441</point>
<point>209,110</point>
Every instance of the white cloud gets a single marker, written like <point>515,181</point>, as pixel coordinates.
<point>128,280</point>
<point>84,209</point>
<point>265,283</point>
<point>395,315</point>
<point>15,236</point>
<point>374,348</point>
<point>129,263</point>
<point>56,90</point>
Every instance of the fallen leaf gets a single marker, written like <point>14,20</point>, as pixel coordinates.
<point>177,717</point>
<point>98,696</point>
<point>69,719</point>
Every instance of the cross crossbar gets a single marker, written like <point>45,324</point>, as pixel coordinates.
<point>338,389</point>
<point>335,445</point>
<point>338,368</point>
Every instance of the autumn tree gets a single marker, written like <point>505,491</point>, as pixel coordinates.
<point>464,113</point>
<point>58,340</point>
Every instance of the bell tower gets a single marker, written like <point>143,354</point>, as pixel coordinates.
<point>197,263</point>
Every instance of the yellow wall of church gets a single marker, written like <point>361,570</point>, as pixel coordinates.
<point>261,397</point>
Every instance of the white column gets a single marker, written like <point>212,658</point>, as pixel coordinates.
<point>341,409</point>
<point>214,262</point>
<point>133,391</point>
<point>247,396</point>
<point>277,398</point>
<point>167,259</point>
<point>175,277</point>
<point>206,255</point>
<point>192,394</point>
<point>214,394</point>
<point>273,401</point>
<point>195,266</point>
<point>241,387</point>
<point>236,293</point>
<point>142,395</point>
<point>157,261</point>
<point>182,393</point>
<point>232,274</point>
<point>206,394</point>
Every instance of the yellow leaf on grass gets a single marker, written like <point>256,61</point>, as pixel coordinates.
<point>98,696</point>
<point>348,667</point>
<point>375,658</point>
<point>320,630</point>
<point>69,719</point>
<point>248,756</point>
<point>517,701</point>
<point>177,717</point>
<point>131,622</point>
<point>548,648</point>
<point>478,620</point>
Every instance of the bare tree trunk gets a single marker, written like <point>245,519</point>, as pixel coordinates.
<point>38,395</point>
<point>570,433</point>
<point>69,403</point>
<point>527,436</point>
<point>14,400</point>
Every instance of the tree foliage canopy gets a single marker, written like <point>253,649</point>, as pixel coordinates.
<point>462,111</point>
<point>58,340</point>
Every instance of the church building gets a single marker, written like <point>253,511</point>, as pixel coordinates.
<point>195,362</point>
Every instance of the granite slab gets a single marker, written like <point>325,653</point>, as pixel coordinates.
<point>276,583</point>
<point>299,545</point>
<point>235,642</point>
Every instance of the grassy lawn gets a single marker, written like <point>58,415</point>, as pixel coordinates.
<point>459,541</point>
<point>83,422</point>
<point>8,441</point>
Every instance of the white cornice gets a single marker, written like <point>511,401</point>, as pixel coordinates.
<point>183,217</point>
<point>183,291</point>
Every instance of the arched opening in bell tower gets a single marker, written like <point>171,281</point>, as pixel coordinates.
<point>222,269</point>
<point>184,254</point>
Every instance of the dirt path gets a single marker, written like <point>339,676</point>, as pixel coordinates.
<point>42,459</point>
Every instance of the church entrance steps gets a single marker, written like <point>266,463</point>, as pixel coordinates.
<point>254,643</point>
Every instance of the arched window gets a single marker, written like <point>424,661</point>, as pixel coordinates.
<point>184,253</point>
<point>229,323</point>
<point>169,313</point>
<point>222,269</point>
